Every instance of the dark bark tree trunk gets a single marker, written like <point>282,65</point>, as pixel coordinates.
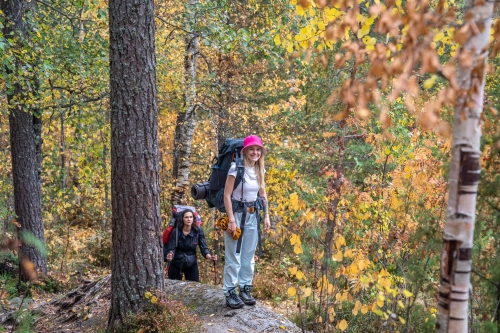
<point>186,118</point>
<point>25,135</point>
<point>135,190</point>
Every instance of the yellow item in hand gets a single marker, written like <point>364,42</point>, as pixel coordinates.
<point>222,223</point>
<point>237,234</point>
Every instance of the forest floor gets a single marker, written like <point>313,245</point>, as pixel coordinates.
<point>85,309</point>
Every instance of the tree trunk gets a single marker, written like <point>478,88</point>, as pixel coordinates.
<point>136,265</point>
<point>25,135</point>
<point>458,235</point>
<point>186,119</point>
<point>224,94</point>
<point>62,150</point>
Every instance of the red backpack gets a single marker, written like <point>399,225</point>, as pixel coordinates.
<point>166,234</point>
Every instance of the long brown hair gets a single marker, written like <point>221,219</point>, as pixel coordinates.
<point>180,219</point>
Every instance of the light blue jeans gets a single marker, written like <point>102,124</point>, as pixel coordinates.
<point>239,267</point>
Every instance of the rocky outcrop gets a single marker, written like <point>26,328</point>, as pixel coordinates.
<point>209,303</point>
<point>86,307</point>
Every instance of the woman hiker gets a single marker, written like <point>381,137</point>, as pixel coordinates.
<point>181,248</point>
<point>242,208</point>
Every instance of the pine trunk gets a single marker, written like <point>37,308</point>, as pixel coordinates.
<point>186,119</point>
<point>135,190</point>
<point>458,235</point>
<point>25,137</point>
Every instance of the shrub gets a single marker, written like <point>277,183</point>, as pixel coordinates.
<point>162,316</point>
<point>25,320</point>
<point>99,248</point>
<point>49,284</point>
<point>8,263</point>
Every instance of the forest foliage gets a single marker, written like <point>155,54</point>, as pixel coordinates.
<point>291,72</point>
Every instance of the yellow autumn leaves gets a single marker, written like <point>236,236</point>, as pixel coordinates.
<point>152,298</point>
<point>318,18</point>
<point>297,246</point>
<point>354,266</point>
<point>304,291</point>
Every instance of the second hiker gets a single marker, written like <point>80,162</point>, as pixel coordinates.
<point>181,248</point>
<point>242,207</point>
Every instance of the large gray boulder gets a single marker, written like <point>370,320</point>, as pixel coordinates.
<point>209,303</point>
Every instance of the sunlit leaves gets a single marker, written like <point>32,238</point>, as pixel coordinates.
<point>339,241</point>
<point>294,201</point>
<point>429,83</point>
<point>297,246</point>
<point>343,325</point>
<point>337,256</point>
<point>356,308</point>
<point>277,40</point>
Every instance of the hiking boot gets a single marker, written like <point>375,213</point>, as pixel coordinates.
<point>233,301</point>
<point>245,295</point>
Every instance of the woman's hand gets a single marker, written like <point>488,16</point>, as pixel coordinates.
<point>209,257</point>
<point>267,223</point>
<point>170,256</point>
<point>231,227</point>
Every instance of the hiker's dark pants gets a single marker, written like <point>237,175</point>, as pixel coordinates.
<point>190,274</point>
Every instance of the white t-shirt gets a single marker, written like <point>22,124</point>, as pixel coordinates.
<point>251,187</point>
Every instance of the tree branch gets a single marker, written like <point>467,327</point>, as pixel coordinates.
<point>58,11</point>
<point>484,278</point>
<point>176,27</point>
<point>87,100</point>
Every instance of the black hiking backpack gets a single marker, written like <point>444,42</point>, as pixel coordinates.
<point>213,189</point>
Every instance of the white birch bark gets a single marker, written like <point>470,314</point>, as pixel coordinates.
<point>458,235</point>
<point>186,118</point>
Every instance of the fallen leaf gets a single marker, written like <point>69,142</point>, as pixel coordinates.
<point>343,325</point>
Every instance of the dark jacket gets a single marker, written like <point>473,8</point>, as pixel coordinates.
<point>186,244</point>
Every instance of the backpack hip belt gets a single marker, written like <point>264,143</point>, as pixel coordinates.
<point>240,206</point>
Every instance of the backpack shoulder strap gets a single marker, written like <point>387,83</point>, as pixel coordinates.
<point>240,175</point>
<point>176,237</point>
<point>240,172</point>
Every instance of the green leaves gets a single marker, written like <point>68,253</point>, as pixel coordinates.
<point>29,238</point>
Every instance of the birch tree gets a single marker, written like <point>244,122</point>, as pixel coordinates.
<point>410,46</point>
<point>456,258</point>
<point>186,118</point>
